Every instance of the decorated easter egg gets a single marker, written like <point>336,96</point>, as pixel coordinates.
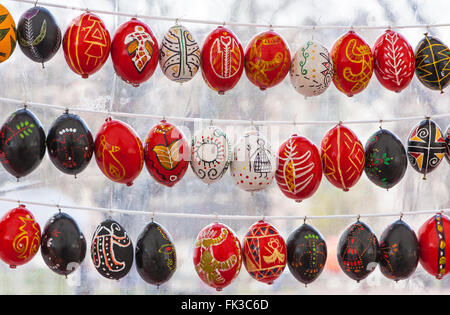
<point>299,169</point>
<point>63,246</point>
<point>70,144</point>
<point>166,153</point>
<point>264,252</point>
<point>217,255</point>
<point>134,52</point>
<point>119,152</point>
<point>447,142</point>
<point>22,143</point>
<point>222,60</point>
<point>253,166</point>
<point>342,157</point>
<point>358,251</point>
<point>20,236</point>
<point>39,35</point>
<point>311,69</point>
<point>433,245</point>
<point>210,154</point>
<point>267,59</point>
<point>86,44</point>
<point>426,146</point>
<point>385,159</point>
<point>353,63</point>
<point>179,54</point>
<point>7,34</point>
<point>306,253</point>
<point>399,251</point>
<point>432,58</point>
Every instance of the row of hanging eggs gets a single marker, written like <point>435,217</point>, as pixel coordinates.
<point>267,59</point>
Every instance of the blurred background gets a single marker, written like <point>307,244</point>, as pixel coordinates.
<point>57,84</point>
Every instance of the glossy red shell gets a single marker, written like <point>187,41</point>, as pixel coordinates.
<point>342,157</point>
<point>20,236</point>
<point>217,255</point>
<point>267,59</point>
<point>134,52</point>
<point>394,61</point>
<point>167,153</point>
<point>222,60</point>
<point>86,44</point>
<point>352,62</point>
<point>119,152</point>
<point>264,252</point>
<point>299,170</point>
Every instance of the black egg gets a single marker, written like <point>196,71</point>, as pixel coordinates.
<point>447,142</point>
<point>22,143</point>
<point>112,250</point>
<point>63,245</point>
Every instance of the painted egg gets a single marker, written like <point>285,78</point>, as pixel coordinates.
<point>306,253</point>
<point>358,251</point>
<point>210,154</point>
<point>385,159</point>
<point>353,63</point>
<point>399,251</point>
<point>7,34</point>
<point>222,60</point>
<point>342,157</point>
<point>264,252</point>
<point>22,143</point>
<point>86,44</point>
<point>426,146</point>
<point>394,61</point>
<point>70,144</point>
<point>299,169</point>
<point>432,58</point>
<point>39,35</point>
<point>166,153</point>
<point>433,245</point>
<point>118,152</point>
<point>217,255</point>
<point>311,69</point>
<point>20,236</point>
<point>63,245</point>
<point>179,54</point>
<point>254,165</point>
<point>447,142</point>
<point>112,250</point>
<point>156,259</point>
<point>134,52</point>
<point>267,59</point>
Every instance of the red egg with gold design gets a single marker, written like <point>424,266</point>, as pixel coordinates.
<point>166,153</point>
<point>20,236</point>
<point>134,52</point>
<point>267,59</point>
<point>342,157</point>
<point>433,239</point>
<point>353,63</point>
<point>264,252</point>
<point>222,60</point>
<point>119,152</point>
<point>217,255</point>
<point>86,44</point>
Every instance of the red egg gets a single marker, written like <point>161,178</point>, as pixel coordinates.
<point>118,152</point>
<point>222,60</point>
<point>353,63</point>
<point>20,236</point>
<point>86,44</point>
<point>342,157</point>
<point>134,52</point>
<point>394,61</point>
<point>299,168</point>
<point>217,255</point>
<point>267,59</point>
<point>166,153</point>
